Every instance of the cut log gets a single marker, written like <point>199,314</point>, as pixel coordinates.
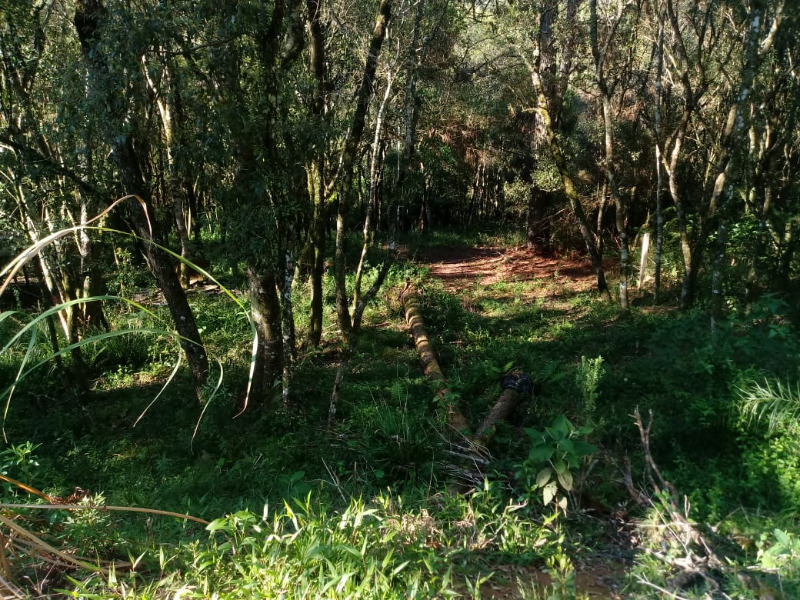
<point>516,386</point>
<point>427,354</point>
<point>501,410</point>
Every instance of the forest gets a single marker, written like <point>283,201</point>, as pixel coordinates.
<point>400,299</point>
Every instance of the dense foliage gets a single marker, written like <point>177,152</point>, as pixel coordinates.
<point>208,208</point>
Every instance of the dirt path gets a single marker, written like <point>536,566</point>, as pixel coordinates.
<point>460,268</point>
<point>472,272</point>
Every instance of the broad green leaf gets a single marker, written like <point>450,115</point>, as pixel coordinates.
<point>562,424</point>
<point>549,492</point>
<point>534,434</point>
<point>555,433</point>
<point>560,466</point>
<point>582,448</point>
<point>543,477</point>
<point>782,537</point>
<point>565,479</point>
<point>541,454</point>
<point>217,524</point>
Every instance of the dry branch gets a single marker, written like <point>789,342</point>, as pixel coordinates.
<point>698,559</point>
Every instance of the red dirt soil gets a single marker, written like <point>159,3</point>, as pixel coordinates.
<point>460,267</point>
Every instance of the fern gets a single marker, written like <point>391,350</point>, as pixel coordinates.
<point>771,401</point>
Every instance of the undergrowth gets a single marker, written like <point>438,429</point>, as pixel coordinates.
<point>367,508</point>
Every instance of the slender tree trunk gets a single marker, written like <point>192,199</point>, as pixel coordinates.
<point>287,324</point>
<point>600,56</point>
<point>93,283</point>
<point>89,16</point>
<point>344,179</point>
<point>373,186</point>
<point>549,85</point>
<point>266,311</point>
<point>316,168</point>
<point>728,160</point>
<point>659,168</point>
<point>319,228</point>
<point>764,171</point>
<point>690,251</point>
<point>50,268</point>
<point>569,188</point>
<point>408,189</point>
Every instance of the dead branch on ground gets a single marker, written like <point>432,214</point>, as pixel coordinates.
<point>697,558</point>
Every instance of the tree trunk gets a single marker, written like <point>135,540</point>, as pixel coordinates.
<point>502,410</point>
<point>319,228</point>
<point>571,192</point>
<point>89,15</point>
<point>373,176</point>
<point>315,169</point>
<point>427,354</point>
<point>549,89</point>
<point>266,311</point>
<point>659,246</point>
<point>344,179</point>
<point>729,155</point>
<point>287,324</point>
<point>600,56</point>
<point>93,283</point>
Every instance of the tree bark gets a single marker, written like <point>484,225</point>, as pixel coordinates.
<point>373,175</point>
<point>344,179</point>
<point>659,246</point>
<point>266,311</point>
<point>318,235</point>
<point>502,410</point>
<point>89,17</point>
<point>427,354</point>
<point>729,159</point>
<point>606,92</point>
<point>549,90</point>
<point>316,167</point>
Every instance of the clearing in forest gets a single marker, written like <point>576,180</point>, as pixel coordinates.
<point>463,269</point>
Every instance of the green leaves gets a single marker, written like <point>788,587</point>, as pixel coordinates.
<point>543,477</point>
<point>555,454</point>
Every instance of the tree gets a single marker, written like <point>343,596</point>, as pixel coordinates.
<point>607,85</point>
<point>550,68</point>
<point>93,24</point>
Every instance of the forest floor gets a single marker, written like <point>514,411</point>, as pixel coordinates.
<point>462,268</point>
<point>463,271</point>
<point>491,306</point>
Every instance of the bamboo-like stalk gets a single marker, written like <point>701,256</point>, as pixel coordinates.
<point>427,354</point>
<point>136,509</point>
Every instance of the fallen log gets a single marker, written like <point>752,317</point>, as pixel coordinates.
<point>515,386</point>
<point>430,364</point>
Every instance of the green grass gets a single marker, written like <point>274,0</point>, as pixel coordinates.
<point>381,478</point>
